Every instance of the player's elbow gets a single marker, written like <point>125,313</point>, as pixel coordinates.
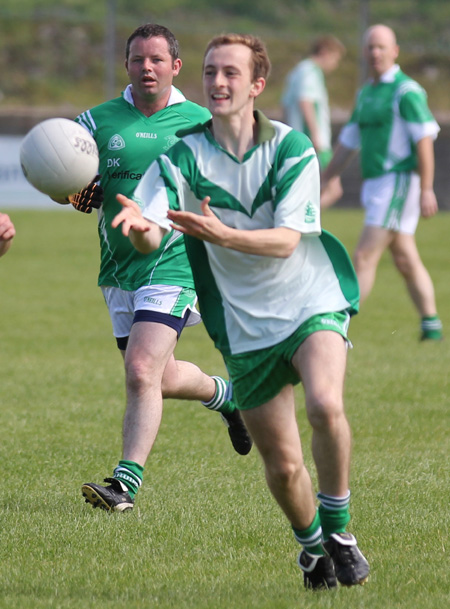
<point>289,243</point>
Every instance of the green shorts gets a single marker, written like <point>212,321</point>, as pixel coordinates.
<point>258,376</point>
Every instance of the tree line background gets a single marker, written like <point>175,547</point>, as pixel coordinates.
<point>60,57</point>
<point>55,53</point>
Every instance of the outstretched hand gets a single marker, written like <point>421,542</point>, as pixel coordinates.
<point>207,226</point>
<point>130,217</point>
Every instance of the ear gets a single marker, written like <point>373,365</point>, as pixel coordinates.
<point>258,87</point>
<point>177,66</point>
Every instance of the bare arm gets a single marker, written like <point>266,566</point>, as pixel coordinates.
<point>341,158</point>
<point>277,242</point>
<point>7,233</point>
<point>425,155</point>
<point>309,115</point>
<point>144,235</point>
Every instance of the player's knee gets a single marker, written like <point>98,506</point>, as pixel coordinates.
<point>403,264</point>
<point>325,411</point>
<point>285,471</point>
<point>361,260</point>
<point>140,375</point>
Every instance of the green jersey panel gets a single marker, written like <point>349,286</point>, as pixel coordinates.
<point>128,142</point>
<point>389,117</point>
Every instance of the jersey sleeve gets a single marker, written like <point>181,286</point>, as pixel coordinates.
<point>153,195</point>
<point>414,110</point>
<point>297,198</point>
<point>349,135</point>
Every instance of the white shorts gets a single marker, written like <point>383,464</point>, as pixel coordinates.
<point>392,202</point>
<point>166,299</point>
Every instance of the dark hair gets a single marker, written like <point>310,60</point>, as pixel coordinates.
<point>151,30</point>
<point>260,58</point>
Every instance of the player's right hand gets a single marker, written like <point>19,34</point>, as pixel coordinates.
<point>88,198</point>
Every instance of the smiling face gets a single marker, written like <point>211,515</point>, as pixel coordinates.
<point>380,49</point>
<point>228,82</point>
<point>151,70</point>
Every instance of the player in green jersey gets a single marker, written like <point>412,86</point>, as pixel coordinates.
<point>150,298</point>
<point>276,293</point>
<point>394,129</point>
<point>305,102</point>
<point>7,233</point>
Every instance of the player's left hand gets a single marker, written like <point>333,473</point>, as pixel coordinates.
<point>130,217</point>
<point>428,203</point>
<point>207,227</point>
<point>88,198</point>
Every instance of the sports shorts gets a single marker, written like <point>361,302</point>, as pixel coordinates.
<point>392,202</point>
<point>164,301</point>
<point>259,376</point>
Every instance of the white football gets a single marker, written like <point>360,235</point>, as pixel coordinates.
<point>59,157</point>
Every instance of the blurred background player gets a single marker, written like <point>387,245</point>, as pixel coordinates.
<point>394,129</point>
<point>246,192</point>
<point>150,298</point>
<point>7,233</point>
<point>306,107</point>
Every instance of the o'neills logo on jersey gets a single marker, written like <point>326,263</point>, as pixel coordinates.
<point>147,136</point>
<point>116,142</point>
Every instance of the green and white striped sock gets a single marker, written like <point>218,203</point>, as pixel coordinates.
<point>311,538</point>
<point>334,513</point>
<point>223,398</point>
<point>130,474</point>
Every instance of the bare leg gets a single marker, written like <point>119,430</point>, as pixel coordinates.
<point>321,361</point>
<point>185,381</point>
<point>372,243</point>
<point>149,348</point>
<point>273,427</point>
<point>418,281</point>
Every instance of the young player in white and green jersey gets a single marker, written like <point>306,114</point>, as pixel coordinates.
<point>246,303</point>
<point>275,291</point>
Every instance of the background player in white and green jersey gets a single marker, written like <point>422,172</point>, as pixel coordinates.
<point>150,298</point>
<point>276,294</point>
<point>306,106</point>
<point>394,129</point>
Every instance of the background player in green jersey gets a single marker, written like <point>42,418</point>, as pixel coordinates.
<point>394,129</point>
<point>305,103</point>
<point>7,233</point>
<point>246,192</point>
<point>150,298</point>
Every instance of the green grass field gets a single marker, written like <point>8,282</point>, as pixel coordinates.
<point>205,533</point>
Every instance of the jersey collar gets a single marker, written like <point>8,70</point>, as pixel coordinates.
<point>266,130</point>
<point>176,97</point>
<point>389,75</point>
